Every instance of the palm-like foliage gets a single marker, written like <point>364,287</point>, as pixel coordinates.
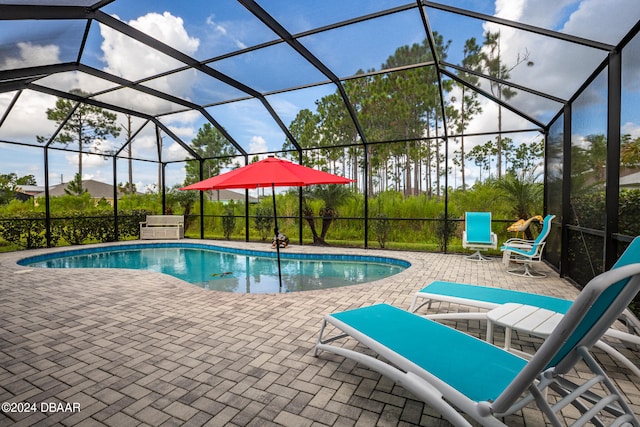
<point>332,196</point>
<point>524,194</point>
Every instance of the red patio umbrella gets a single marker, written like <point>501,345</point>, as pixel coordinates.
<point>270,172</point>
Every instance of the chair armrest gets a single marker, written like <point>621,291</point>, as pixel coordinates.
<point>519,243</point>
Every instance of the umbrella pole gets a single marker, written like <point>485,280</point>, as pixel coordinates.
<point>276,233</point>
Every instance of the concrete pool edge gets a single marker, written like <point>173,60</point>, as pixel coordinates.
<point>9,263</point>
<point>132,245</point>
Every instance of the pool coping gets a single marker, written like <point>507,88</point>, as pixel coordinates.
<point>74,250</point>
<point>9,260</point>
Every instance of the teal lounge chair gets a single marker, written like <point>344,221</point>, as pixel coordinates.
<point>488,298</point>
<point>477,234</point>
<point>456,374</point>
<point>525,252</point>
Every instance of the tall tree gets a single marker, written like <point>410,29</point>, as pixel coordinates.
<point>211,145</point>
<point>596,158</point>
<point>480,156</point>
<point>74,188</point>
<point>526,159</point>
<point>494,66</point>
<point>130,188</point>
<point>304,129</point>
<point>469,103</point>
<point>83,125</point>
<point>335,128</point>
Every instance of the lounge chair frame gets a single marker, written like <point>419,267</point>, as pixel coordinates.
<point>488,298</point>
<point>419,366</point>
<point>468,295</point>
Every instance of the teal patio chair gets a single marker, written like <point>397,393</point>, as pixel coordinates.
<point>461,376</point>
<point>526,252</point>
<point>477,235</point>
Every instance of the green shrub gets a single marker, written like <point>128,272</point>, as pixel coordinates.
<point>129,222</point>
<point>228,222</point>
<point>629,212</point>
<point>27,231</point>
<point>74,227</point>
<point>445,230</point>
<point>381,228</point>
<point>263,221</point>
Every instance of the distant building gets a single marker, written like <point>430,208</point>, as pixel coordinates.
<point>225,196</point>
<point>26,192</point>
<point>631,181</point>
<point>96,189</point>
<point>30,190</point>
<point>99,190</point>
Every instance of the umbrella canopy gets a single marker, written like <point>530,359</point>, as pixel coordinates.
<point>270,172</point>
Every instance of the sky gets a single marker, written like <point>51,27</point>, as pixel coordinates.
<point>205,30</point>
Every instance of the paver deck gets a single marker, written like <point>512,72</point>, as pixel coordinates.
<point>136,348</point>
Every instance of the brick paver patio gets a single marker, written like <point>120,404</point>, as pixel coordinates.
<point>136,348</point>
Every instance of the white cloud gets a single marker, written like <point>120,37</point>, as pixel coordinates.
<point>133,60</point>
<point>28,117</point>
<point>124,56</point>
<point>543,13</point>
<point>90,161</point>
<point>605,21</point>
<point>222,31</point>
<point>173,151</point>
<point>559,67</point>
<point>31,55</point>
<point>257,145</point>
<point>632,129</point>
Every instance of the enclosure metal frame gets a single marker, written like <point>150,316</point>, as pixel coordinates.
<point>21,79</point>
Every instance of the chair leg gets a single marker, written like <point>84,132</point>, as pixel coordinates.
<point>506,257</point>
<point>477,256</point>
<point>526,271</point>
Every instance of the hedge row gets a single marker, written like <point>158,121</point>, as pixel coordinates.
<point>72,227</point>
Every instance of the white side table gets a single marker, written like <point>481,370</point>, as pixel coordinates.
<point>540,322</point>
<point>525,318</point>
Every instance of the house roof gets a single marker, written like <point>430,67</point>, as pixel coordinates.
<point>31,189</point>
<point>99,189</point>
<point>630,181</point>
<point>226,195</point>
<point>95,188</point>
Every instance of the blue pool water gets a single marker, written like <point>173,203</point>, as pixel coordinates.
<point>231,270</point>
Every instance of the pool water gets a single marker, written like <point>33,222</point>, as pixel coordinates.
<point>238,271</point>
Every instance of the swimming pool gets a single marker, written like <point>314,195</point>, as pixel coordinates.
<point>229,269</point>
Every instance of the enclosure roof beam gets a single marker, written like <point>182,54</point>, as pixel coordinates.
<point>13,12</point>
<point>106,106</point>
<point>277,28</point>
<point>521,26</point>
<point>505,82</point>
<point>191,62</point>
<point>36,72</point>
<point>133,136</point>
<point>493,98</point>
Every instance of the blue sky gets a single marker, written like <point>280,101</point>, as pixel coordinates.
<point>206,29</point>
